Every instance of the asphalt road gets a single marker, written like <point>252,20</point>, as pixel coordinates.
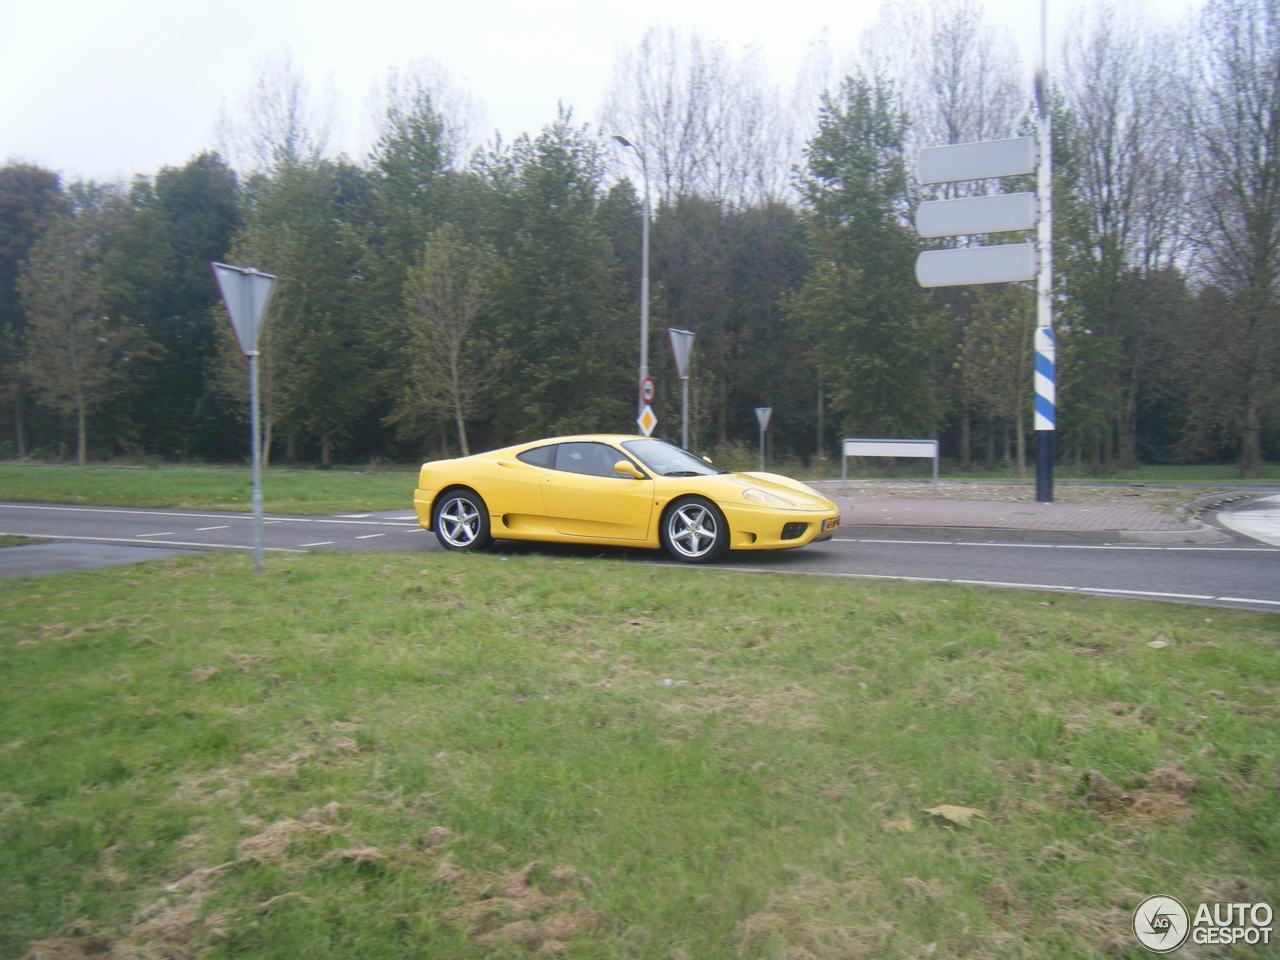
<point>1238,574</point>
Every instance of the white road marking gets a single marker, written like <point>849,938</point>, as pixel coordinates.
<point>370,536</point>
<point>203,529</point>
<point>322,543</point>
<point>152,543</point>
<point>355,516</point>
<point>1055,546</point>
<point>1260,524</point>
<point>167,533</point>
<point>1050,587</point>
<point>1151,593</point>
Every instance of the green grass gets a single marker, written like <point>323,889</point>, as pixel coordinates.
<point>284,490</point>
<point>171,733</point>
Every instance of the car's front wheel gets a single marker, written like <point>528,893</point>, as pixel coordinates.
<point>695,531</point>
<point>462,521</point>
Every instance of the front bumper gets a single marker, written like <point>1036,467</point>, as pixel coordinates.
<point>756,528</point>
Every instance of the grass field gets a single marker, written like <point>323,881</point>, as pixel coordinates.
<point>492,756</point>
<point>285,490</point>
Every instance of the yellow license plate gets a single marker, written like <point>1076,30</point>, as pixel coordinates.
<point>830,524</point>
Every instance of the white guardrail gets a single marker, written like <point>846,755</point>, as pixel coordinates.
<point>862,447</point>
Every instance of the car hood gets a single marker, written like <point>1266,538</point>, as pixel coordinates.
<point>796,494</point>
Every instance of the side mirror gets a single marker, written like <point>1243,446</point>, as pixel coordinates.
<point>708,459</point>
<point>627,469</point>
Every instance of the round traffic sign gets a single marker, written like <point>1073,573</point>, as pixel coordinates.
<point>646,389</point>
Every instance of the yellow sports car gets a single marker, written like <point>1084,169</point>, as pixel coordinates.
<point>617,490</point>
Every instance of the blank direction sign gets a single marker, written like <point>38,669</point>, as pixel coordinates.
<point>1007,263</point>
<point>977,161</point>
<point>1001,213</point>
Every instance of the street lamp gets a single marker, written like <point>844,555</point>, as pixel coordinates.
<point>644,274</point>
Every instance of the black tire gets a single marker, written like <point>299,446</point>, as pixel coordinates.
<point>461,521</point>
<point>694,530</point>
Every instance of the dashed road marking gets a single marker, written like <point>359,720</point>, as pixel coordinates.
<point>167,543</point>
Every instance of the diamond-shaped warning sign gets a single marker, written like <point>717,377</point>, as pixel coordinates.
<point>647,420</point>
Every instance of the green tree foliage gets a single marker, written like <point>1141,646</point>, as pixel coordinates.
<point>449,364</point>
<point>29,198</point>
<point>870,326</point>
<point>1167,253</point>
<point>559,314</point>
<point>159,277</point>
<point>1235,103</point>
<point>308,224</point>
<point>77,356</point>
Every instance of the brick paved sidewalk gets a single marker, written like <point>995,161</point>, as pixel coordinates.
<point>890,511</point>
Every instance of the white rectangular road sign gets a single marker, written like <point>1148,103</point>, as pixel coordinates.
<point>1000,213</point>
<point>1006,263</point>
<point>977,161</point>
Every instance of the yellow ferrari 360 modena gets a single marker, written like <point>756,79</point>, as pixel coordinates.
<point>616,490</point>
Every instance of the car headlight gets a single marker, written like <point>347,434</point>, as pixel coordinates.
<point>756,495</point>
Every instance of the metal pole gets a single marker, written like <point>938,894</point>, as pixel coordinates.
<point>1044,377</point>
<point>644,273</point>
<point>762,448</point>
<point>644,284</point>
<point>256,435</point>
<point>684,412</point>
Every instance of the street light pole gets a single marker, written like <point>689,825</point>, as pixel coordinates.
<point>644,274</point>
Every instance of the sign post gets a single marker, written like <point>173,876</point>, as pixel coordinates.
<point>762,415</point>
<point>247,294</point>
<point>682,347</point>
<point>1002,263</point>
<point>1046,354</point>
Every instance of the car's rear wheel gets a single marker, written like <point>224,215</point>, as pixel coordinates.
<point>462,521</point>
<point>695,531</point>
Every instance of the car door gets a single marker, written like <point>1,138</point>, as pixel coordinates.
<point>585,497</point>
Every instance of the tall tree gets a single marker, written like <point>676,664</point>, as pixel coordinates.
<point>1119,86</point>
<point>1234,99</point>
<point>558,316</point>
<point>29,197</point>
<point>77,356</point>
<point>873,334</point>
<point>157,273</point>
<point>308,224</point>
<point>703,123</point>
<point>444,296</point>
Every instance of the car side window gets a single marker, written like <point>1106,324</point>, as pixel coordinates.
<point>538,456</point>
<point>590,459</point>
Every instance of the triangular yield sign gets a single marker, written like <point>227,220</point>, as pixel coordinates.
<point>247,294</point>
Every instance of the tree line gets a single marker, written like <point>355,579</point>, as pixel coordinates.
<point>435,299</point>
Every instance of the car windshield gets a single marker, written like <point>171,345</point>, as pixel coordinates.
<point>668,460</point>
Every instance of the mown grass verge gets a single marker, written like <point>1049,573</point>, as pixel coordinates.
<point>284,490</point>
<point>465,757</point>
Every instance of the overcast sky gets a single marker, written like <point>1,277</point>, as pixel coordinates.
<point>109,88</point>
